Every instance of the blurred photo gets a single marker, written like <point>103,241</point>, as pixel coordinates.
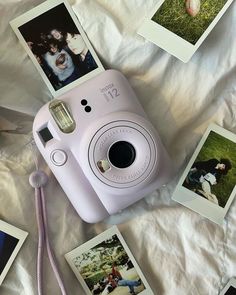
<point>7,246</point>
<point>11,240</point>
<point>230,288</point>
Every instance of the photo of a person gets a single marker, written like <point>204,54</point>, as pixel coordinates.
<point>105,266</point>
<point>211,176</point>
<point>117,280</point>
<point>59,46</point>
<point>57,35</point>
<point>60,63</point>
<point>204,174</point>
<point>77,45</point>
<point>113,273</point>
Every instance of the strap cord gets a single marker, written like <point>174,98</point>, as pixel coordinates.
<point>38,179</point>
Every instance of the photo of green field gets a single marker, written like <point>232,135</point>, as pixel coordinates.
<point>172,15</point>
<point>217,147</point>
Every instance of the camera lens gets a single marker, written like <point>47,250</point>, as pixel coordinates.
<point>121,154</point>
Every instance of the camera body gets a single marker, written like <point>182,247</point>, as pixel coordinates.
<point>101,147</point>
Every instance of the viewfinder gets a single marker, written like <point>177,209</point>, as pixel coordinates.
<point>45,134</point>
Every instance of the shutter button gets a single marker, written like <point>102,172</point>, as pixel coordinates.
<point>58,157</point>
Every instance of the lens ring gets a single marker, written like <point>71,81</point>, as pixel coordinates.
<point>121,154</point>
<point>142,140</point>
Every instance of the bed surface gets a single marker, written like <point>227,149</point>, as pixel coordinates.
<point>179,251</point>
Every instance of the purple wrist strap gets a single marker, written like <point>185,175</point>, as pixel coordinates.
<point>38,179</point>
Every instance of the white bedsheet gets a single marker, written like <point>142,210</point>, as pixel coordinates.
<point>179,251</point>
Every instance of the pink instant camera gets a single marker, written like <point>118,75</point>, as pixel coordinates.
<point>101,147</point>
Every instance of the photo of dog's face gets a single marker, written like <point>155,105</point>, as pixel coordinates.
<point>188,19</point>
<point>213,173</point>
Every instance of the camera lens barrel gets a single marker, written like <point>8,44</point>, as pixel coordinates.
<point>122,154</point>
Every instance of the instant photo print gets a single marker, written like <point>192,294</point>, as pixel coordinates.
<point>56,43</point>
<point>230,288</point>
<point>207,185</point>
<point>105,263</point>
<point>11,240</point>
<point>173,29</point>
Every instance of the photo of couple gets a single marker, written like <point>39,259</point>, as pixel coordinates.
<point>58,46</point>
<point>212,175</point>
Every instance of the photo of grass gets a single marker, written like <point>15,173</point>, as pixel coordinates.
<point>213,174</point>
<point>173,16</point>
<point>107,268</point>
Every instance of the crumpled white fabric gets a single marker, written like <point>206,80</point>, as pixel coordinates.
<point>179,251</point>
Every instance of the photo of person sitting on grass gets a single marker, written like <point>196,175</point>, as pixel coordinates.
<point>212,175</point>
<point>204,174</point>
<point>108,269</point>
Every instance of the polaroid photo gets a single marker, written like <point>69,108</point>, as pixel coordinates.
<point>105,265</point>
<point>56,43</point>
<point>207,185</point>
<point>230,288</point>
<point>11,240</point>
<point>172,28</point>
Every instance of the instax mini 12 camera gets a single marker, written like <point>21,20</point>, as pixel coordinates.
<point>101,147</point>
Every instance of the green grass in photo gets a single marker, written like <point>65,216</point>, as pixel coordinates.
<point>218,147</point>
<point>173,16</point>
<point>96,263</point>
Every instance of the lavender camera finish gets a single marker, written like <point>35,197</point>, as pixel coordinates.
<point>112,157</point>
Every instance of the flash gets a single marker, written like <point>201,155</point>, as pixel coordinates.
<point>103,165</point>
<point>62,116</point>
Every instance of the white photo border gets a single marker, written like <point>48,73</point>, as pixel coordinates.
<point>231,282</point>
<point>17,233</point>
<point>97,240</point>
<point>190,199</point>
<point>171,42</point>
<point>39,10</point>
